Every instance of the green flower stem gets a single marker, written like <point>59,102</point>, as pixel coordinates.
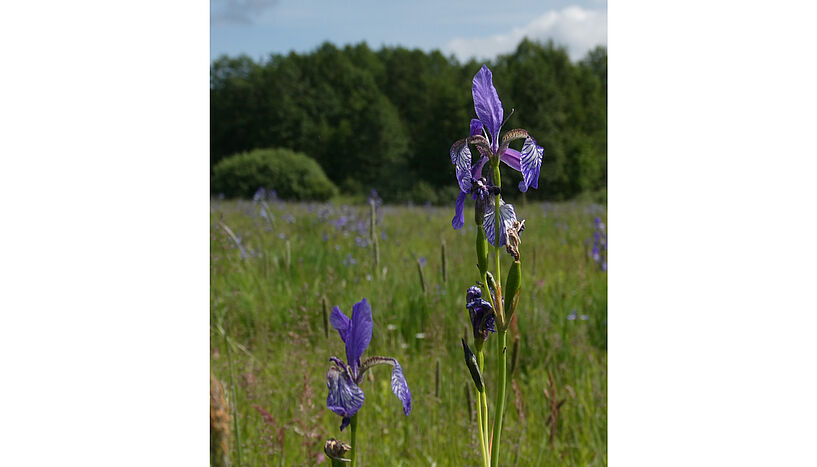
<point>501,366</point>
<point>353,451</point>
<point>482,438</point>
<point>483,408</point>
<point>482,260</point>
<point>497,221</point>
<point>500,394</point>
<point>482,397</point>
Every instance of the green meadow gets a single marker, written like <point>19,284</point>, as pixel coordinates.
<point>272,264</point>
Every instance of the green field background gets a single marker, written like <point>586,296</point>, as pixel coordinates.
<point>269,349</point>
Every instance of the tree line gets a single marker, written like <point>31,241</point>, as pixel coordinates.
<point>386,119</point>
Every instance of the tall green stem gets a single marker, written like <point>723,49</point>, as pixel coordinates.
<point>500,395</point>
<point>483,410</point>
<point>501,367</point>
<point>497,222</point>
<point>483,441</point>
<point>353,451</point>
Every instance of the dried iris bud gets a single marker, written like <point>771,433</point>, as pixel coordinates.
<point>336,450</point>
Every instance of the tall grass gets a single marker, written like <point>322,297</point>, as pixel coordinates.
<point>268,300</point>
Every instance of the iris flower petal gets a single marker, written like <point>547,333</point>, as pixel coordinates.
<point>476,127</point>
<point>340,322</point>
<point>512,158</point>
<point>464,180</point>
<point>531,162</point>
<point>482,317</point>
<point>461,158</point>
<point>345,422</point>
<point>345,397</point>
<point>398,382</point>
<point>459,218</point>
<point>460,155</point>
<point>487,103</point>
<point>476,170</point>
<point>507,216</point>
<point>400,388</point>
<point>360,334</point>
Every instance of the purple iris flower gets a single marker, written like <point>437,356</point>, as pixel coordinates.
<point>484,135</point>
<point>473,292</point>
<point>483,319</point>
<point>345,396</point>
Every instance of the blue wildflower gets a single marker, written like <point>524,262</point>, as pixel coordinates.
<point>343,379</point>
<point>482,314</point>
<point>472,293</point>
<point>599,251</point>
<point>484,135</point>
<point>374,197</point>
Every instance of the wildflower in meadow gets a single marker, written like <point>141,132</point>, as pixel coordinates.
<point>599,252</point>
<point>496,223</point>
<point>345,396</point>
<point>374,198</point>
<point>484,136</point>
<point>259,200</point>
<point>482,315</point>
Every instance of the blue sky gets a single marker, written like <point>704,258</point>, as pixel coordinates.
<point>477,28</point>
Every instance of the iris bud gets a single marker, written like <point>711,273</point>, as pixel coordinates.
<point>473,367</point>
<point>512,286</point>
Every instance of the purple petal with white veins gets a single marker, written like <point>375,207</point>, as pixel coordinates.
<point>360,334</point>
<point>455,150</point>
<point>464,180</point>
<point>345,398</point>
<point>400,388</point>
<point>461,158</point>
<point>487,103</point>
<point>340,322</point>
<point>459,218</point>
<point>531,162</point>
<point>512,158</point>
<point>398,382</point>
<point>507,216</point>
<point>476,127</point>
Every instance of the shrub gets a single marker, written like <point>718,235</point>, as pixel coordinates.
<point>293,175</point>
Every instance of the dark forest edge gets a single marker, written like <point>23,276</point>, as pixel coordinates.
<point>385,119</point>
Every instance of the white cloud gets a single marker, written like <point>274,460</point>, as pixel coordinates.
<point>574,27</point>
